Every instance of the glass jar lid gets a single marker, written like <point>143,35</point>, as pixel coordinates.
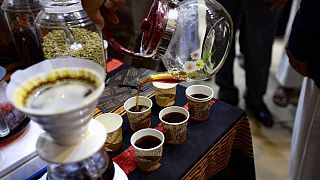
<point>59,13</point>
<point>61,6</point>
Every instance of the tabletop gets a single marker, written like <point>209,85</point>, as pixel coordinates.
<point>218,148</point>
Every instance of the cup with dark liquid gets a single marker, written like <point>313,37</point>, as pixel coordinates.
<point>199,97</point>
<point>139,117</point>
<point>165,93</point>
<point>148,145</point>
<point>174,120</point>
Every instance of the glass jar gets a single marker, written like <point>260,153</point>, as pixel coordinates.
<point>97,166</point>
<point>7,48</point>
<point>20,16</point>
<point>65,30</point>
<point>10,117</point>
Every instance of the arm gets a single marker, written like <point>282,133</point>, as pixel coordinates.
<point>303,47</point>
<point>92,9</point>
<point>276,4</point>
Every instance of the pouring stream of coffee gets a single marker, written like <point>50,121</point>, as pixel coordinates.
<point>164,78</point>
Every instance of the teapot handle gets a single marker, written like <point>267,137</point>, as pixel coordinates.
<point>118,47</point>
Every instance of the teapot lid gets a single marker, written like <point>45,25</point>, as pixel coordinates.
<point>158,27</point>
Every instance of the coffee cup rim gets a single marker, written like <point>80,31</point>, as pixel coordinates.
<point>199,99</point>
<point>134,97</point>
<point>161,85</point>
<point>176,107</point>
<point>162,139</point>
<point>110,114</point>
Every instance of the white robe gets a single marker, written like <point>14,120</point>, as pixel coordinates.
<point>305,146</point>
<point>286,75</point>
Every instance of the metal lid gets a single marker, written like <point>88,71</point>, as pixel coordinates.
<point>2,72</point>
<point>61,6</point>
<point>158,27</point>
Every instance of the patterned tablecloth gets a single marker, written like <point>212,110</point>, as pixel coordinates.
<point>219,148</point>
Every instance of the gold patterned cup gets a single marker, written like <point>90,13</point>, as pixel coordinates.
<point>165,93</point>
<point>141,119</point>
<point>113,124</point>
<point>199,97</point>
<point>174,120</point>
<point>148,145</point>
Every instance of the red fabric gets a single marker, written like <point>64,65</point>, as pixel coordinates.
<point>127,159</point>
<point>113,64</point>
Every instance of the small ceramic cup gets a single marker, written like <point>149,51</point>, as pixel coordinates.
<point>142,119</point>
<point>165,93</point>
<point>199,97</point>
<point>113,124</point>
<point>174,120</point>
<point>148,145</point>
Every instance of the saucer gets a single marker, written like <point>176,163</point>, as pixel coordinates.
<point>91,143</point>
<point>119,174</point>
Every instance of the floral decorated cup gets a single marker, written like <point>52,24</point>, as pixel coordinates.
<point>113,124</point>
<point>138,119</point>
<point>148,146</point>
<point>174,127</point>
<point>199,97</point>
<point>165,93</point>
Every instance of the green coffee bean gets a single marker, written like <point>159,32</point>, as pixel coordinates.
<point>55,44</point>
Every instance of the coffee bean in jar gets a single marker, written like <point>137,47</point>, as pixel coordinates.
<point>57,44</point>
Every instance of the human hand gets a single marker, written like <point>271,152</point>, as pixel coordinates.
<point>276,5</point>
<point>92,9</point>
<point>300,66</point>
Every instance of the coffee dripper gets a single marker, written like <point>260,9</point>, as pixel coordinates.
<point>73,142</point>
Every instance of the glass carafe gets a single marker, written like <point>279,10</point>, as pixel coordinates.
<point>97,166</point>
<point>192,37</point>
<point>65,30</point>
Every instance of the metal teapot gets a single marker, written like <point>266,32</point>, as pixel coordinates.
<point>192,37</point>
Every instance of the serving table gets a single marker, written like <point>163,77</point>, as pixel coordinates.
<point>219,148</point>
